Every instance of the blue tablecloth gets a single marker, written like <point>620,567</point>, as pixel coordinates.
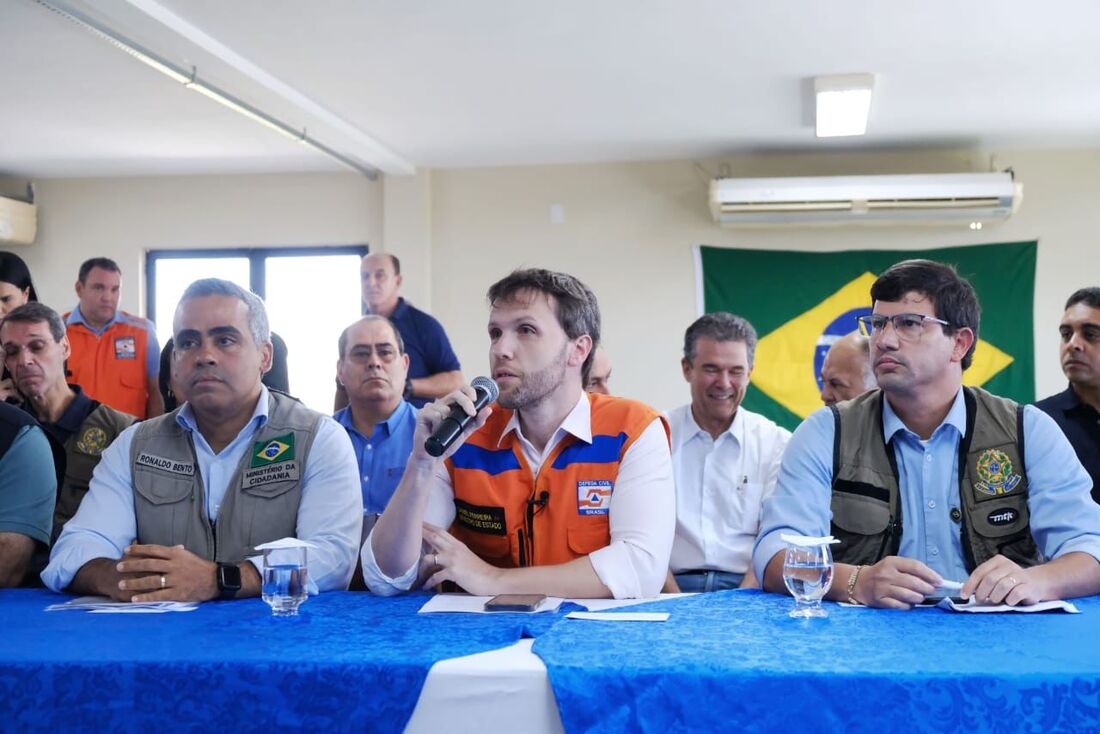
<point>349,662</point>
<point>733,661</point>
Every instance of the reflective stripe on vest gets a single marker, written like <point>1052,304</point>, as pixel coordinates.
<point>112,368</point>
<point>510,519</point>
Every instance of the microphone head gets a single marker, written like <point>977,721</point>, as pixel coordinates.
<point>488,386</point>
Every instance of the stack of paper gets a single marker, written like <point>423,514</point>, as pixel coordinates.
<point>104,605</point>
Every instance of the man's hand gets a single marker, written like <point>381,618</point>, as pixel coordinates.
<point>162,573</point>
<point>895,583</point>
<point>430,416</point>
<point>1001,581</point>
<point>453,561</point>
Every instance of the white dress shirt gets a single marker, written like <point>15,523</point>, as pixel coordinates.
<point>635,563</point>
<point>720,485</point>
<point>329,512</point>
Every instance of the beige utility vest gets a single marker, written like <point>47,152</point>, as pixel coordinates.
<point>993,487</point>
<point>83,451</point>
<point>260,503</point>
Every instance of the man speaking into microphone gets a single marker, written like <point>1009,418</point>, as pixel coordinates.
<point>550,490</point>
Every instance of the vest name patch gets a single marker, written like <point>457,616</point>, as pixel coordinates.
<point>125,348</point>
<point>1003,517</point>
<point>183,468</point>
<point>487,520</point>
<point>284,471</point>
<point>593,496</point>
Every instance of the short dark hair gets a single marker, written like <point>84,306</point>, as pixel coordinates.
<point>953,298</point>
<point>36,313</point>
<point>103,263</point>
<point>343,343</point>
<point>574,303</point>
<point>258,325</point>
<point>721,326</point>
<point>1088,296</point>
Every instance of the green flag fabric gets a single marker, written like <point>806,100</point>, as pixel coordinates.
<point>801,302</point>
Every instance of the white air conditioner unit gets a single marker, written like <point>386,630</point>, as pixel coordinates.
<point>18,222</point>
<point>950,198</point>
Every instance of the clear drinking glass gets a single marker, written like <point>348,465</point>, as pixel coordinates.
<point>808,574</point>
<point>285,580</point>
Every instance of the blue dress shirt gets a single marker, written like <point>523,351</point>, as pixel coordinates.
<point>328,513</point>
<point>383,456</point>
<point>426,343</point>
<point>1063,516</point>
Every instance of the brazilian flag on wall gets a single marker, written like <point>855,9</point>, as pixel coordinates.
<point>801,302</point>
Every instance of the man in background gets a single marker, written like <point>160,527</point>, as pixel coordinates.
<point>846,371</point>
<point>114,354</point>
<point>380,423</point>
<point>724,457</point>
<point>600,375</point>
<point>434,370</point>
<point>78,427</point>
<point>1075,409</point>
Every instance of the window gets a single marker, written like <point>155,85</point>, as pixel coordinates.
<point>311,293</point>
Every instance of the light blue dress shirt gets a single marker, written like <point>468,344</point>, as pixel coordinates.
<point>1063,516</point>
<point>328,513</point>
<point>383,456</point>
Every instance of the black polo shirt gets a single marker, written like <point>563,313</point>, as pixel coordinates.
<point>1081,424</point>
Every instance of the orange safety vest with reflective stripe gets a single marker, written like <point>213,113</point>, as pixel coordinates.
<point>510,518</point>
<point>112,367</point>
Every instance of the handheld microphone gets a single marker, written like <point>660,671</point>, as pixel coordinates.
<point>451,427</point>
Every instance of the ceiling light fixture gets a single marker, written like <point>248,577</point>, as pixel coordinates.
<point>192,81</point>
<point>843,104</point>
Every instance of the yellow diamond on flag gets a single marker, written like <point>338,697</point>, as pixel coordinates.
<point>785,368</point>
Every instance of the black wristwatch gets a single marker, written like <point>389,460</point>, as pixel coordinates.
<point>229,580</point>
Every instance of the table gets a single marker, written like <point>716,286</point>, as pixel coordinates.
<point>734,661</point>
<point>724,661</point>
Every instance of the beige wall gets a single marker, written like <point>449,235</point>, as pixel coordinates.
<point>121,218</point>
<point>629,229</point>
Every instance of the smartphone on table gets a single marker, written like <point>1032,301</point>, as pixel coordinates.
<point>514,602</point>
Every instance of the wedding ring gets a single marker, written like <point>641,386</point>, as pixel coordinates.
<point>1012,580</point>
<point>435,559</point>
<point>163,581</point>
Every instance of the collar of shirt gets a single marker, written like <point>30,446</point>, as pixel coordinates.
<point>391,424</point>
<point>1070,402</point>
<point>77,411</point>
<point>186,419</point>
<point>78,318</point>
<point>578,423</point>
<point>399,310</point>
<point>956,417</point>
<point>691,429</point>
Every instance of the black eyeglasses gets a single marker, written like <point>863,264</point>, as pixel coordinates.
<point>908,326</point>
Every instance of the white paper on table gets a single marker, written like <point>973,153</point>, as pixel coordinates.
<point>620,616</point>
<point>441,603</point>
<point>600,605</point>
<point>104,604</point>
<point>286,543</point>
<point>1043,606</point>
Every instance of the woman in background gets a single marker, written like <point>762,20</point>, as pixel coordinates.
<point>16,289</point>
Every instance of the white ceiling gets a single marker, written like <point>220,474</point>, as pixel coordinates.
<point>400,84</point>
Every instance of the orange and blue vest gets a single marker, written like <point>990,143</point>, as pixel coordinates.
<point>113,366</point>
<point>510,518</point>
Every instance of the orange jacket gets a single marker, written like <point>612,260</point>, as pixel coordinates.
<point>113,367</point>
<point>509,519</point>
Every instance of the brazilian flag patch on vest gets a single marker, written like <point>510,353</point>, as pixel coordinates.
<point>280,448</point>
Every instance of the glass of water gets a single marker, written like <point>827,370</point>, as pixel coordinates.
<point>285,580</point>
<point>808,574</point>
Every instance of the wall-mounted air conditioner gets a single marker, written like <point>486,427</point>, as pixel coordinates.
<point>18,222</point>
<point>950,198</point>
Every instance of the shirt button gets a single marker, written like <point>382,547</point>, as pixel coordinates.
<point>369,447</point>
<point>935,551</point>
<point>928,457</point>
<point>366,478</point>
<point>931,504</point>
